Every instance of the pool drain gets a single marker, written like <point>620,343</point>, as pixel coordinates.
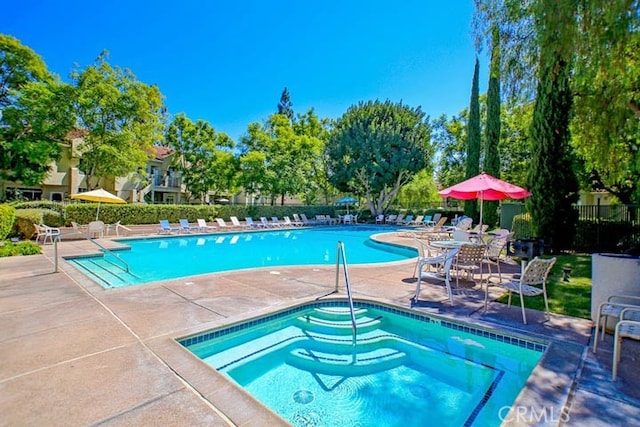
<point>303,396</point>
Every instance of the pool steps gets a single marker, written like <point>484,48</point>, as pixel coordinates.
<point>108,273</point>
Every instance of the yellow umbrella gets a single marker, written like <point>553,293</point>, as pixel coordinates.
<point>100,196</point>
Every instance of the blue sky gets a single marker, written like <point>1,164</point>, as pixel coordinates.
<point>227,62</point>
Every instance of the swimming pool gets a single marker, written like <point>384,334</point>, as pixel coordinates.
<point>406,368</point>
<point>170,257</point>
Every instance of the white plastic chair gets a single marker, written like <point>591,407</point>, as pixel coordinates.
<point>95,229</point>
<point>442,262</point>
<point>46,232</point>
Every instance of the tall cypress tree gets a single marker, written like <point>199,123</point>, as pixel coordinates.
<point>285,106</point>
<point>492,130</point>
<point>473,140</point>
<point>551,178</point>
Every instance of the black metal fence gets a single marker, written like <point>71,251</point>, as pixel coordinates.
<point>600,228</point>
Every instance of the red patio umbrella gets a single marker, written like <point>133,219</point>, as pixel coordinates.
<point>484,187</point>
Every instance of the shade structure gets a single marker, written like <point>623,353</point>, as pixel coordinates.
<point>99,196</point>
<point>347,201</point>
<point>484,187</point>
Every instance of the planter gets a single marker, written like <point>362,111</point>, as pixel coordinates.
<point>613,274</point>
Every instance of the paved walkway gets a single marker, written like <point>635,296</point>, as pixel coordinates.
<point>75,354</point>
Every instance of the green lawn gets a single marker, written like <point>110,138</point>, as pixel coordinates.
<point>572,298</point>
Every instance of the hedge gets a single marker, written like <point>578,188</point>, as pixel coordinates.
<point>7,218</point>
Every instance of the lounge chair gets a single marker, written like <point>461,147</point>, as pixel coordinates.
<point>416,221</point>
<point>438,226</point>
<point>221,223</point>
<point>275,222</point>
<point>305,220</point>
<point>116,227</point>
<point>434,220</point>
<point>287,221</point>
<point>464,224</point>
<point>251,223</point>
<point>264,222</point>
<point>391,219</point>
<point>202,226</point>
<point>534,275</point>
<point>406,221</point>
<point>166,228</point>
<point>78,229</point>
<point>380,219</point>
<point>236,222</point>
<point>185,226</point>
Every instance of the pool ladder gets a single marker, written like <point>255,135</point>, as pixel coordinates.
<point>341,255</point>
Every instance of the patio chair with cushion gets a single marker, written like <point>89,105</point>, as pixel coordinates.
<point>627,327</point>
<point>613,307</point>
<point>533,282</point>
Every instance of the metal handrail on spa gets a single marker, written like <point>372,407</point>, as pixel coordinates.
<point>340,254</point>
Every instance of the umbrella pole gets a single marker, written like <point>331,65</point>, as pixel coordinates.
<point>98,211</point>
<point>481,204</point>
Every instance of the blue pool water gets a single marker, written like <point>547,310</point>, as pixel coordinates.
<point>405,369</point>
<point>170,257</point>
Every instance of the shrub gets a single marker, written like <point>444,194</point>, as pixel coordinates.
<point>9,248</point>
<point>7,218</point>
<point>522,227</point>
<point>26,220</point>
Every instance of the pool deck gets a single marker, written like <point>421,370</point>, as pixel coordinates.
<point>75,354</point>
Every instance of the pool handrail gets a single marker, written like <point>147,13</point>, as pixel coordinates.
<point>342,255</point>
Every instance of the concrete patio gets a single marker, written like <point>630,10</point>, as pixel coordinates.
<point>74,354</point>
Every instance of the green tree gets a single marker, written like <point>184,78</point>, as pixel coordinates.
<point>474,140</point>
<point>35,114</point>
<point>551,179</point>
<point>515,145</point>
<point>448,138</point>
<point>313,133</point>
<point>420,192</point>
<point>377,147</point>
<point>123,118</point>
<point>605,77</point>
<point>275,160</point>
<point>203,157</point>
<point>285,106</point>
<point>606,128</point>
<point>492,129</point>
